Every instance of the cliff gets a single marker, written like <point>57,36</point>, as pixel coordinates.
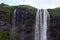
<point>54,24</point>
<point>6,17</point>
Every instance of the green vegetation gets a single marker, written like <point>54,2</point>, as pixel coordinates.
<point>31,9</point>
<point>7,15</point>
<point>8,10</point>
<point>4,36</point>
<point>54,12</point>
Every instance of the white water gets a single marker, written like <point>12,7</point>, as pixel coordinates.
<point>13,25</point>
<point>41,25</point>
<point>37,26</point>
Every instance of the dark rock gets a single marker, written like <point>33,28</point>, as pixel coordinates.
<point>55,28</point>
<point>1,15</point>
<point>5,26</point>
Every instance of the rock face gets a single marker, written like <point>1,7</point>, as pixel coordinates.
<point>54,28</point>
<point>25,25</point>
<point>1,15</point>
<point>5,26</point>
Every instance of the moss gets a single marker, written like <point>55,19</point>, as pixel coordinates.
<point>31,9</point>
<point>54,12</point>
<point>7,13</point>
<point>55,17</point>
<point>4,36</point>
<point>8,9</point>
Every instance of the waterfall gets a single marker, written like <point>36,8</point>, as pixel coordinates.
<point>18,24</point>
<point>41,24</point>
<point>37,26</point>
<point>14,25</point>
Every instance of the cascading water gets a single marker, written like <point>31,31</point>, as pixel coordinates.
<point>14,25</point>
<point>18,24</point>
<point>37,26</point>
<point>41,24</point>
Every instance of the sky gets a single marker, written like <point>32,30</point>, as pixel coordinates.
<point>35,3</point>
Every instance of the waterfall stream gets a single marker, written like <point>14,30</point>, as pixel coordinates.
<point>42,17</point>
<point>41,24</point>
<point>37,26</point>
<point>18,24</point>
<point>14,25</point>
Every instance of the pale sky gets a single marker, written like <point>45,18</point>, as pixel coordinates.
<point>35,3</point>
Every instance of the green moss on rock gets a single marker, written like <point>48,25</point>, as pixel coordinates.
<point>8,11</point>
